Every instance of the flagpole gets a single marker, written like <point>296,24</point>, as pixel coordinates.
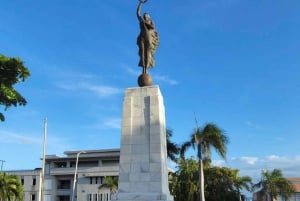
<point>42,174</point>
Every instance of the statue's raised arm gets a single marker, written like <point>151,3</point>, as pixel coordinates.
<point>138,10</point>
<point>147,40</point>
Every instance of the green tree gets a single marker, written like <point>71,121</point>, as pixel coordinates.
<point>12,71</point>
<point>223,183</point>
<point>183,182</point>
<point>203,140</point>
<point>273,184</point>
<point>172,148</point>
<point>11,188</point>
<point>111,183</point>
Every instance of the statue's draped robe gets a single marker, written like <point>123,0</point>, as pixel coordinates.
<point>148,42</point>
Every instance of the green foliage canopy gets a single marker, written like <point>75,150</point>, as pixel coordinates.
<point>11,188</point>
<point>183,182</point>
<point>12,71</point>
<point>172,148</point>
<point>221,183</point>
<point>273,184</point>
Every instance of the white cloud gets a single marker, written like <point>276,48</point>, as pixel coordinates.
<point>99,90</point>
<point>165,79</point>
<point>57,144</point>
<point>65,86</point>
<point>75,81</point>
<point>133,72</point>
<point>112,123</point>
<point>252,124</point>
<point>252,166</point>
<point>249,160</point>
<point>108,123</point>
<point>76,75</point>
<point>273,157</point>
<point>248,123</point>
<point>13,138</point>
<point>218,163</point>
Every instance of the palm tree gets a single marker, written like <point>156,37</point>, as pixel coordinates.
<point>172,148</point>
<point>273,184</point>
<point>241,182</point>
<point>111,183</point>
<point>203,139</point>
<point>11,188</point>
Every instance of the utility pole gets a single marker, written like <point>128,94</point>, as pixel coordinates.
<point>42,173</point>
<point>2,161</point>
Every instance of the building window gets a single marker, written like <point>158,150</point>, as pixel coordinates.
<point>89,197</point>
<point>33,180</point>
<point>60,164</point>
<point>22,180</point>
<point>32,197</point>
<point>102,197</point>
<point>63,198</point>
<point>96,180</point>
<point>64,184</point>
<point>110,162</point>
<point>95,197</point>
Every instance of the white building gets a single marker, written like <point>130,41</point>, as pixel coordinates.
<point>30,180</point>
<point>93,166</point>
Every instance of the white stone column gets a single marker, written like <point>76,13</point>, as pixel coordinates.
<point>143,168</point>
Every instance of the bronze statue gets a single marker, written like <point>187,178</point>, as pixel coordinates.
<point>148,42</point>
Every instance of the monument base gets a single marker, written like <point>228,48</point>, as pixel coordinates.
<point>143,174</point>
<point>141,197</point>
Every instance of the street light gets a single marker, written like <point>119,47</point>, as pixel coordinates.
<point>75,173</point>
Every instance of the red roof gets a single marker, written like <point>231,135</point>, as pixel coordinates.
<point>296,183</point>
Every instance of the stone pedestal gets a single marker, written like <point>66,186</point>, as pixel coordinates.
<point>143,169</point>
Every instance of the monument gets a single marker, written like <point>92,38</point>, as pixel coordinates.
<point>143,168</point>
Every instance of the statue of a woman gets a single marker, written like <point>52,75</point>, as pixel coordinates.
<point>147,40</point>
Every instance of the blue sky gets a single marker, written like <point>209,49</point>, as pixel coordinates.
<point>234,63</point>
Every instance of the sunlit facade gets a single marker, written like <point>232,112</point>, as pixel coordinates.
<point>92,167</point>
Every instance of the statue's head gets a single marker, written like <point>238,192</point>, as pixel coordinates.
<point>146,16</point>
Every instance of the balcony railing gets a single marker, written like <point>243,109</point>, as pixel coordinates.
<point>70,171</point>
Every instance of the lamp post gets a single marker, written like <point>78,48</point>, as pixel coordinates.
<point>75,173</point>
